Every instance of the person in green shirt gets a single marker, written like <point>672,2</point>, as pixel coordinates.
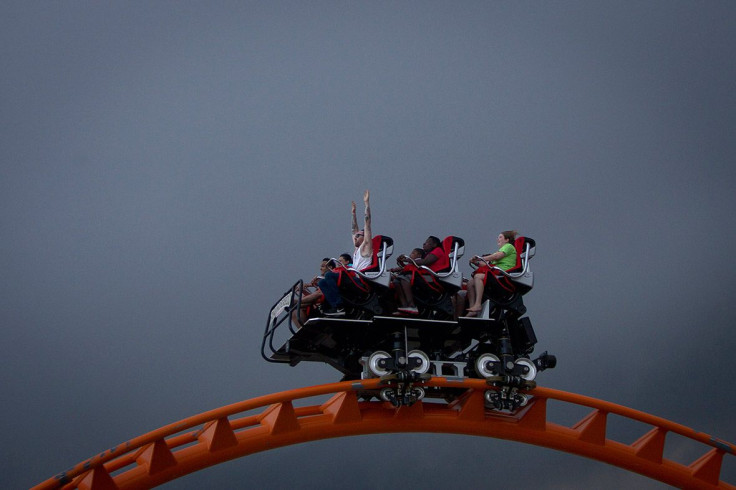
<point>504,258</point>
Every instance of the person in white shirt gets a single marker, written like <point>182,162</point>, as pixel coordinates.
<point>362,258</point>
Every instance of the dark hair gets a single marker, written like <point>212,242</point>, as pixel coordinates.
<point>437,242</point>
<point>347,257</point>
<point>326,259</point>
<point>421,252</point>
<point>510,235</point>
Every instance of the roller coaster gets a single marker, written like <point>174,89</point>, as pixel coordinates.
<point>433,371</point>
<point>234,431</point>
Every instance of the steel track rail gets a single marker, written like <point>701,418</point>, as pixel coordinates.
<point>273,421</point>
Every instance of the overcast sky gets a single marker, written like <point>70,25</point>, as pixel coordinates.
<point>168,169</point>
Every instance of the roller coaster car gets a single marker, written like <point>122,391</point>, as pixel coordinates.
<point>496,345</point>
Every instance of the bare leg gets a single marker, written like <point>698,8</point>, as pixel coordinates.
<point>477,298</point>
<point>309,299</point>
<point>458,301</point>
<point>408,295</point>
<point>470,295</point>
<point>296,318</point>
<point>398,286</point>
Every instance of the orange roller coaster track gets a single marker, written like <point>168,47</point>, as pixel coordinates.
<point>229,432</point>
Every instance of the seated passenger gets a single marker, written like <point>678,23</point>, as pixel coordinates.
<point>362,258</point>
<point>310,294</point>
<point>346,260</point>
<point>435,258</point>
<point>417,253</point>
<point>504,258</point>
<point>324,266</point>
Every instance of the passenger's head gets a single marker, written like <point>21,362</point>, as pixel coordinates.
<point>506,237</point>
<point>431,243</point>
<point>323,266</point>
<point>358,238</point>
<point>345,259</point>
<point>417,253</point>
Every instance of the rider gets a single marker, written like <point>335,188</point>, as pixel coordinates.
<point>362,258</point>
<point>310,294</point>
<point>417,253</point>
<point>435,258</point>
<point>345,259</point>
<point>504,258</point>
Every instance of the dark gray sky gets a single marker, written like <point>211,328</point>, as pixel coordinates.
<point>170,168</point>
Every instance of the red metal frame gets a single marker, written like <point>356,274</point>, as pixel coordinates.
<point>228,433</point>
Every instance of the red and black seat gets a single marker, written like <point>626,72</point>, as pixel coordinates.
<point>449,275</point>
<point>433,289</point>
<point>362,288</point>
<point>505,287</point>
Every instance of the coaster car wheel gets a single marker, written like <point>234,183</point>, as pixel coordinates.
<point>389,395</point>
<point>424,365</point>
<point>418,392</point>
<point>481,367</point>
<point>522,399</point>
<point>374,363</point>
<point>492,397</point>
<point>531,373</point>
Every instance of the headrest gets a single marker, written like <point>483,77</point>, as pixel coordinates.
<point>520,245</point>
<point>448,244</point>
<point>379,240</point>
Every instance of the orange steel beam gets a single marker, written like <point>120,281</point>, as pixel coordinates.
<point>228,432</point>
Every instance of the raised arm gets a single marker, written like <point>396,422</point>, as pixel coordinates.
<point>354,228</point>
<point>366,249</point>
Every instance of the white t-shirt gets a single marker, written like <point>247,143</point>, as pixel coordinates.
<point>360,262</point>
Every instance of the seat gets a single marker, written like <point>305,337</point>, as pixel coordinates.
<point>376,273</point>
<point>434,291</point>
<point>364,290</point>
<point>521,276</point>
<point>449,276</point>
<point>505,288</point>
